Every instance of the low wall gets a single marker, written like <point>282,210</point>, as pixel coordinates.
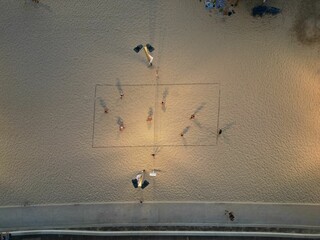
<point>160,214</point>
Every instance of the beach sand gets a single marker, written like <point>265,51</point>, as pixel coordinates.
<point>61,61</point>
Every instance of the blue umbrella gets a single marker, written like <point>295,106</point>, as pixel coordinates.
<point>220,4</point>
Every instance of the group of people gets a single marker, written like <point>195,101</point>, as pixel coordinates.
<point>147,49</point>
<point>226,7</point>
<point>5,236</point>
<point>106,110</point>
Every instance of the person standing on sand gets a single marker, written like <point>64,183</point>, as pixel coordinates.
<point>150,113</point>
<point>163,105</point>
<point>192,116</point>
<point>155,152</point>
<point>164,99</point>
<point>184,131</point>
<point>121,127</point>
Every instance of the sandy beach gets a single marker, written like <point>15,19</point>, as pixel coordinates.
<point>257,79</point>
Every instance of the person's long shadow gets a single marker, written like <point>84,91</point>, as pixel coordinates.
<point>183,133</point>
<point>197,123</point>
<point>149,118</point>
<point>164,99</point>
<point>103,104</point>
<point>156,150</point>
<point>199,108</point>
<point>120,123</point>
<point>227,126</point>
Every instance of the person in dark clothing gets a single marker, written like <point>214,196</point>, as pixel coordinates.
<point>230,215</point>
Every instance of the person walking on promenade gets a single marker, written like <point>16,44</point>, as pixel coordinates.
<point>230,215</point>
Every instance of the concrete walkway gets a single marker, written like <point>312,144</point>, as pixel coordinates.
<point>160,214</point>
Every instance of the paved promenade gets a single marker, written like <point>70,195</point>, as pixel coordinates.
<point>160,214</point>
